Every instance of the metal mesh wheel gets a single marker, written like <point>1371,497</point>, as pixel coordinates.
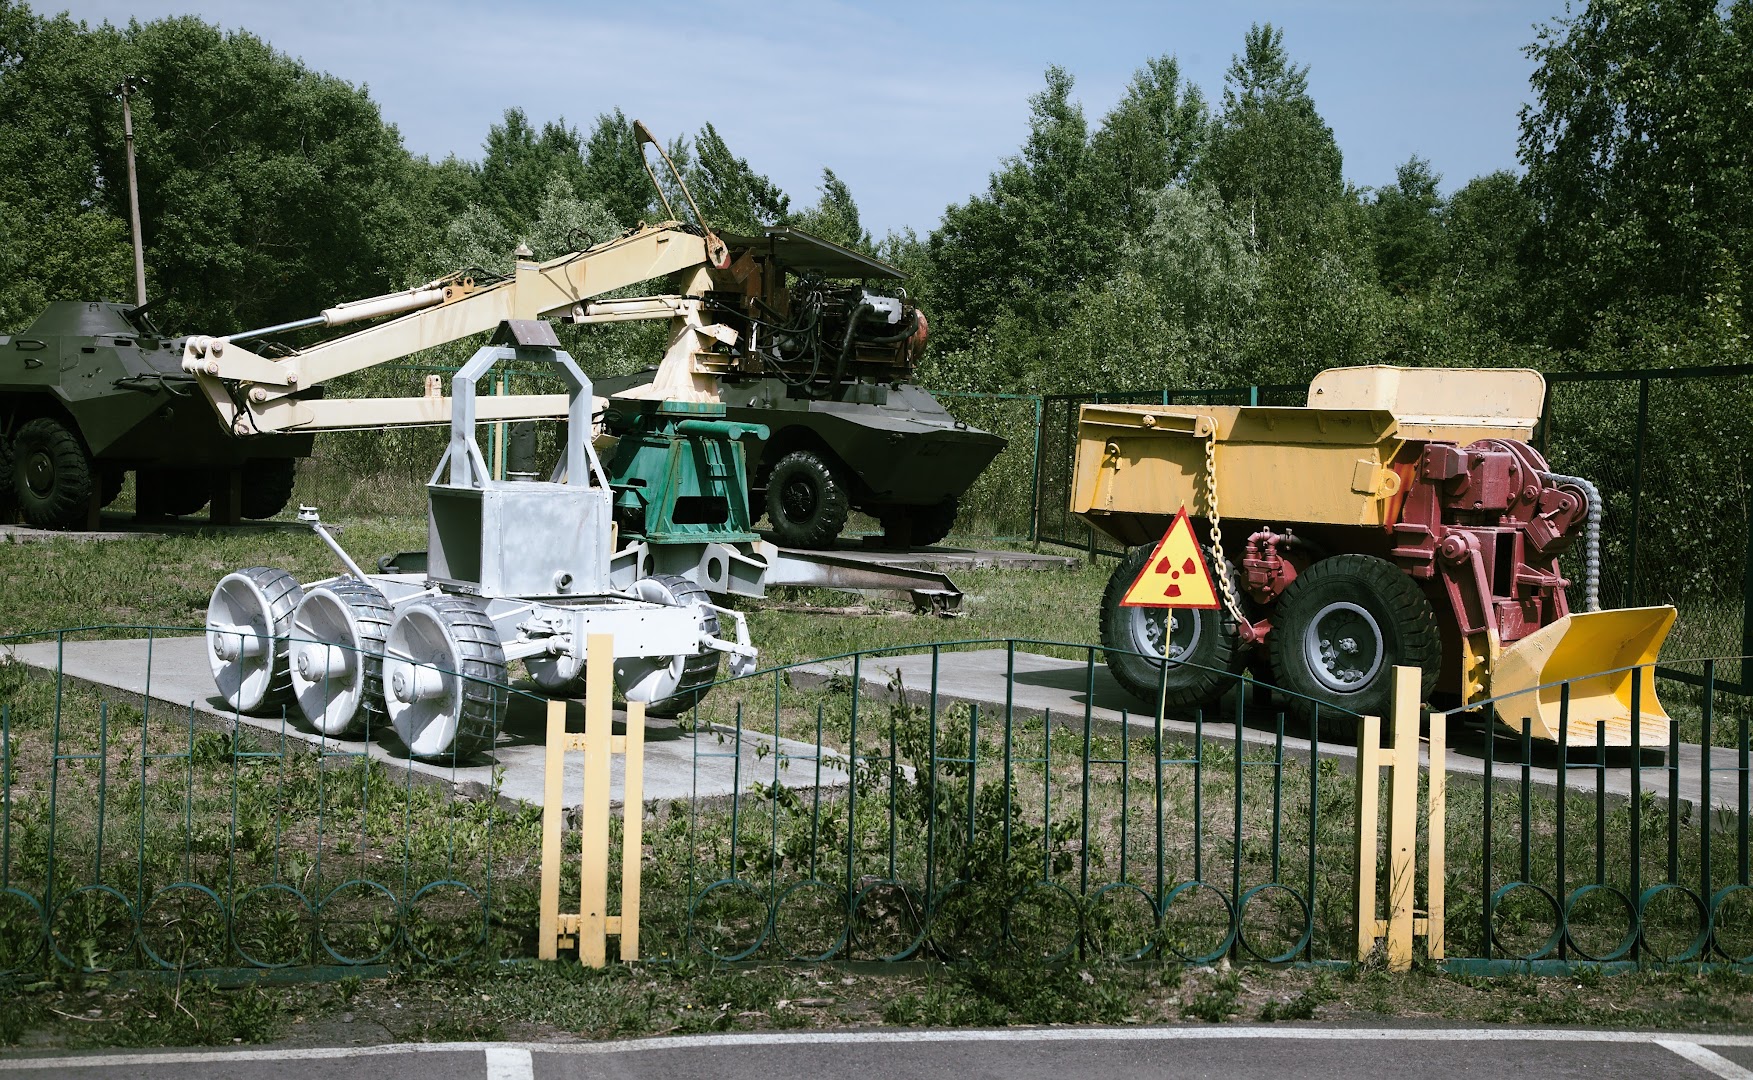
<point>670,685</point>
<point>558,676</point>
<point>444,677</point>
<point>249,621</point>
<point>338,634</point>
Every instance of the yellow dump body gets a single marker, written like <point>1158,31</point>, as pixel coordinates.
<point>1326,463</point>
<point>1333,462</point>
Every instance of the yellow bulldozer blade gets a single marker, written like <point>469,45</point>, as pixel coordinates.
<point>1598,654</point>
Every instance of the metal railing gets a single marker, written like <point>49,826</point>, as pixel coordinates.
<point>883,805</point>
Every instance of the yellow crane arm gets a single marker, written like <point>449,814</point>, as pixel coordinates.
<point>253,393</point>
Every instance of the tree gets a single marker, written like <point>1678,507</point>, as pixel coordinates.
<point>835,215</point>
<point>1033,238</point>
<point>1486,229</point>
<point>1149,141</point>
<point>733,197</point>
<point>1406,225</point>
<point>1271,156</point>
<point>521,162</point>
<point>267,191</point>
<point>1637,155</point>
<point>614,170</point>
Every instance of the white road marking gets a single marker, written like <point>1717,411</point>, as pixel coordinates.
<point>1706,1059</point>
<point>510,1063</point>
<point>897,1035</point>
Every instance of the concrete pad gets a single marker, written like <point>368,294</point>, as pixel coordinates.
<point>946,559</point>
<point>173,672</point>
<point>1065,691</point>
<point>114,525</point>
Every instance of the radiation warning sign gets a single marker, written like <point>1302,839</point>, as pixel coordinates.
<point>1176,575</point>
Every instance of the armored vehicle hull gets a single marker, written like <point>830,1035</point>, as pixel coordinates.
<point>90,392</point>
<point>890,451</point>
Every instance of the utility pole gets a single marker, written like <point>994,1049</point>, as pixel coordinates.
<point>130,85</point>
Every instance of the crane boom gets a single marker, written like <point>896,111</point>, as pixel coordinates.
<point>257,394</point>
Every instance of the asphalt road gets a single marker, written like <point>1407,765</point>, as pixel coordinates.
<point>1232,1053</point>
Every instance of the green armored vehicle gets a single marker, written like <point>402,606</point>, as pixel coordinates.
<point>825,364</point>
<point>92,391</point>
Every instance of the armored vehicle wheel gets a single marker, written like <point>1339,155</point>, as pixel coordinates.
<point>918,526</point>
<point>110,481</point>
<point>8,500</point>
<point>807,500</point>
<point>1342,627</point>
<point>337,643</point>
<point>52,475</point>
<point>249,622</point>
<point>1202,646</point>
<point>182,492</point>
<point>558,676</point>
<point>444,678</point>
<point>670,685</point>
<point>267,486</point>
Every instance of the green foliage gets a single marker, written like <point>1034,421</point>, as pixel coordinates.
<point>1218,1001</point>
<point>732,195</point>
<point>613,170</point>
<point>1271,157</point>
<point>521,167</point>
<point>835,215</point>
<point>1635,149</point>
<point>267,190</point>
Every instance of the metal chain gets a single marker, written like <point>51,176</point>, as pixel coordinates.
<point>1221,569</point>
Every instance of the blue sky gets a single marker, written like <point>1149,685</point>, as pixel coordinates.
<point>911,103</point>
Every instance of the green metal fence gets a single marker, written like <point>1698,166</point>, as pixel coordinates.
<point>146,834</point>
<point>876,806</point>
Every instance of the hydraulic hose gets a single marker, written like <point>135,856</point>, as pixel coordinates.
<point>1591,538</point>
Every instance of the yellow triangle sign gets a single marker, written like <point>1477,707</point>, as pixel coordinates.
<point>1176,575</point>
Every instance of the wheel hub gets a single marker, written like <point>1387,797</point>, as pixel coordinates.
<point>1165,633</point>
<point>39,473</point>
<point>798,499</point>
<point>1343,647</point>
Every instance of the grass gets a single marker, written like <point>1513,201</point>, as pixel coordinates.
<point>563,1001</point>
<point>373,828</point>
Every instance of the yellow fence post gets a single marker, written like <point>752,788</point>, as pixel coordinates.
<point>1403,818</point>
<point>593,870</point>
<point>1404,922</point>
<point>632,830</point>
<point>593,925</point>
<point>1436,833</point>
<point>1369,772</point>
<point>553,825</point>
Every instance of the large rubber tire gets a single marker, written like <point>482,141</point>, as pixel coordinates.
<point>52,475</point>
<point>8,498</point>
<point>267,486</point>
<point>451,637</point>
<point>340,692</point>
<point>110,482</point>
<point>1340,630</point>
<point>918,526</point>
<point>1204,645</point>
<point>252,607</point>
<point>807,500</point>
<point>698,670</point>
<point>182,492</point>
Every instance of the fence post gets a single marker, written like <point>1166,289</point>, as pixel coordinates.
<point>1035,484</point>
<point>593,924</point>
<point>1369,771</point>
<point>1403,922</point>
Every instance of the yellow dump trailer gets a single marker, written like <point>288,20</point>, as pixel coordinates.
<point>1400,517</point>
